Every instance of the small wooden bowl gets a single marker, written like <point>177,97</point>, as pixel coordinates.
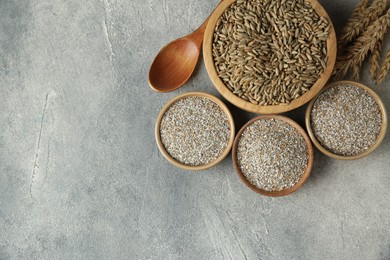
<point>305,174</point>
<point>269,109</point>
<point>185,166</point>
<point>382,132</point>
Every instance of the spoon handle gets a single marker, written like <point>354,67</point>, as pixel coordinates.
<point>197,36</point>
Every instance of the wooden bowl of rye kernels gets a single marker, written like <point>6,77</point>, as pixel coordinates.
<point>346,121</point>
<point>272,155</point>
<point>194,131</point>
<point>269,56</point>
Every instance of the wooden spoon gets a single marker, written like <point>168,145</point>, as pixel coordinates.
<point>175,63</point>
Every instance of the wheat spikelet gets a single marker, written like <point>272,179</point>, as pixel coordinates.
<point>355,72</point>
<point>361,18</point>
<point>374,60</point>
<point>382,73</point>
<point>348,28</point>
<point>363,44</point>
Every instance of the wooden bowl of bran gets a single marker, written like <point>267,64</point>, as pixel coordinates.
<point>340,132</point>
<point>273,158</point>
<point>187,148</point>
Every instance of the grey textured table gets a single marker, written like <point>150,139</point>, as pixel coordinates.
<point>80,173</point>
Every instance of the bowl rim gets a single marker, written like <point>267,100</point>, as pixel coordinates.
<point>306,173</point>
<point>269,109</point>
<point>381,134</point>
<point>161,147</point>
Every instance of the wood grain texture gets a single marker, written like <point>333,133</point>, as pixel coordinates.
<point>270,109</point>
<point>185,166</point>
<point>381,135</point>
<point>305,175</point>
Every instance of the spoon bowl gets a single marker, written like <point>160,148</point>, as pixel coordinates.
<point>175,63</point>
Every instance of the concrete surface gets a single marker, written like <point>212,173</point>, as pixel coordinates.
<point>81,176</point>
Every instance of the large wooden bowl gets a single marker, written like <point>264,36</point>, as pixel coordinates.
<point>203,166</point>
<point>381,134</point>
<point>305,175</point>
<point>269,109</point>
